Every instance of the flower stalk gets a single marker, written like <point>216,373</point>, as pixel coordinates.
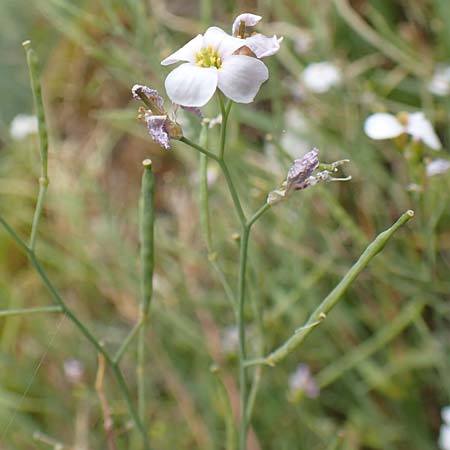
<point>146,231</point>
<point>319,314</point>
<point>33,69</point>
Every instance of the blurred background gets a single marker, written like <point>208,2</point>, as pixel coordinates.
<point>380,362</point>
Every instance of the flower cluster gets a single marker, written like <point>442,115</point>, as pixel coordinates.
<point>301,176</point>
<point>416,125</point>
<point>160,126</point>
<point>217,60</point>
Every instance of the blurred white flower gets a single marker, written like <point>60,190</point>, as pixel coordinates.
<point>445,414</point>
<point>438,167</point>
<point>440,82</point>
<point>303,42</point>
<point>321,77</point>
<point>210,62</point>
<point>444,435</point>
<point>23,125</point>
<point>73,370</point>
<point>388,126</point>
<point>301,381</point>
<point>230,340</point>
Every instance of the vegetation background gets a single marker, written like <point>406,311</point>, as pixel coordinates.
<point>381,358</point>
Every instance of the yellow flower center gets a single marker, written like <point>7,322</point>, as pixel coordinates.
<point>208,57</point>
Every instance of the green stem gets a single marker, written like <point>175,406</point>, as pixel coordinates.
<point>133,411</point>
<point>233,191</point>
<point>227,175</point>
<point>127,341</point>
<point>334,296</point>
<point>33,68</point>
<point>26,311</point>
<point>205,219</point>
<point>82,328</point>
<point>204,193</point>
<point>241,328</point>
<point>246,229</point>
<point>199,148</point>
<point>225,110</point>
<point>146,227</point>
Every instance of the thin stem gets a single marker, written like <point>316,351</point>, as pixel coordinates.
<point>82,328</point>
<point>19,241</point>
<point>226,173</point>
<point>43,186</point>
<point>205,219</point>
<point>334,296</point>
<point>146,226</point>
<point>204,192</point>
<point>258,214</point>
<point>225,110</point>
<point>127,341</point>
<point>133,411</point>
<point>241,328</point>
<point>252,395</point>
<point>199,148</point>
<point>106,410</point>
<point>233,191</point>
<point>26,311</point>
<point>33,69</point>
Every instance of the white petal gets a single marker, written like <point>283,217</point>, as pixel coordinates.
<point>223,42</point>
<point>438,167</point>
<point>240,77</point>
<point>444,437</point>
<point>263,46</point>
<point>22,125</point>
<point>249,19</point>
<point>320,77</point>
<point>383,126</point>
<point>440,82</point>
<point>420,128</point>
<point>185,53</point>
<point>191,85</point>
<point>445,411</point>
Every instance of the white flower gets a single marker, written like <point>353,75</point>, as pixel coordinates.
<point>230,340</point>
<point>444,435</point>
<point>302,381</point>
<point>438,167</point>
<point>211,63</point>
<point>260,45</point>
<point>23,125</point>
<point>445,414</point>
<point>73,370</point>
<point>440,82</point>
<point>321,77</point>
<point>388,126</point>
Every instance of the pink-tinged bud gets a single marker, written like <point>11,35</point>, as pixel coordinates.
<point>301,175</point>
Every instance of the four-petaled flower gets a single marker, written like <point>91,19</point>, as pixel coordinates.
<point>388,126</point>
<point>218,60</point>
<point>301,175</point>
